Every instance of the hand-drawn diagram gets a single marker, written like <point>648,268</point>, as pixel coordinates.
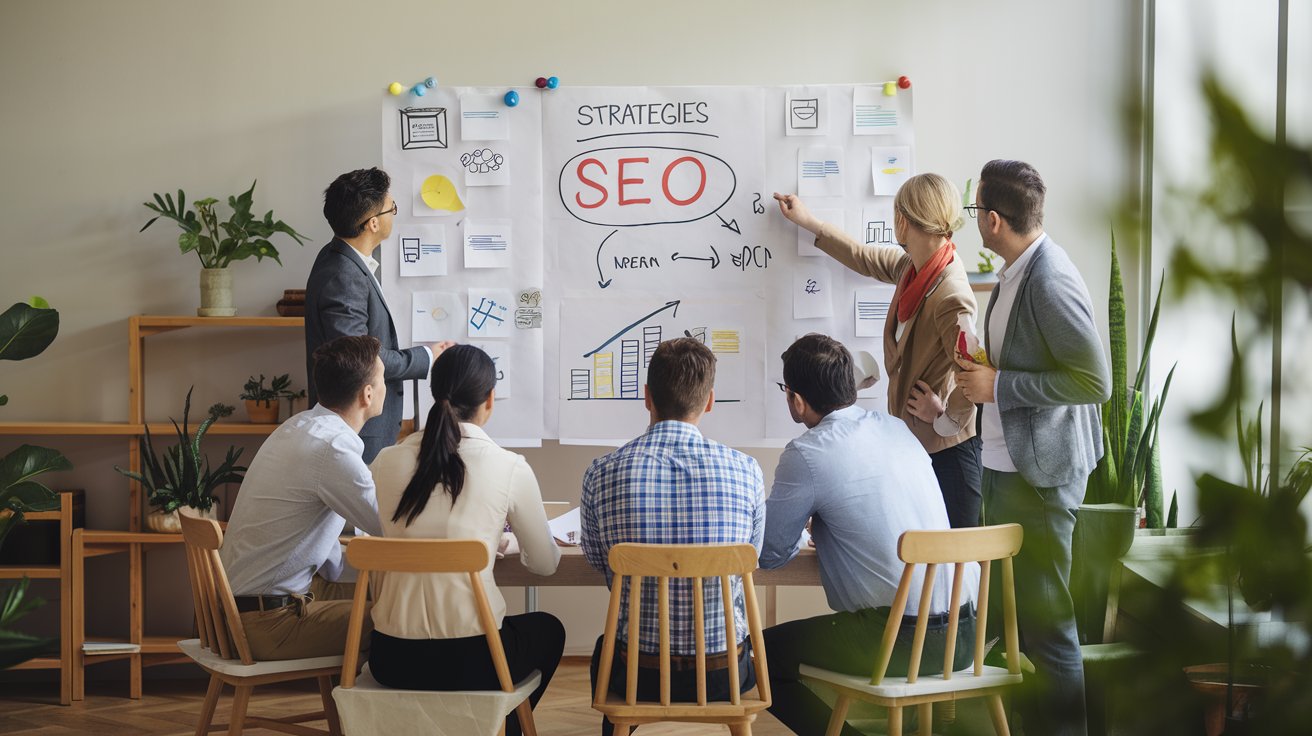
<point>483,118</point>
<point>434,316</point>
<point>485,168</point>
<point>487,243</point>
<point>812,294</point>
<point>489,313</point>
<point>423,250</point>
<point>435,195</point>
<point>870,309</point>
<point>423,127</point>
<point>804,113</point>
<point>820,171</point>
<point>890,167</point>
<point>528,309</point>
<point>751,257</point>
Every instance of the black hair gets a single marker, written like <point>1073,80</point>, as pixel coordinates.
<point>463,377</point>
<point>353,198</point>
<point>1016,190</point>
<point>342,367</point>
<point>819,369</point>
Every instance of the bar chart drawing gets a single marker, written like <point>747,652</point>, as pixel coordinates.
<point>599,380</point>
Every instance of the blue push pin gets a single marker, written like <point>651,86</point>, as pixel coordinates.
<point>511,98</point>
<point>419,90</point>
<point>552,82</point>
<point>430,83</point>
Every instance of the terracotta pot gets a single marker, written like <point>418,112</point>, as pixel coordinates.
<point>1250,683</point>
<point>216,293</point>
<point>262,412</point>
<point>167,523</point>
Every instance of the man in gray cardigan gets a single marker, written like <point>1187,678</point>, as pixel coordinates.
<point>1040,425</point>
<point>343,296</point>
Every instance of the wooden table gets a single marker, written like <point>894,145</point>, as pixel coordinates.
<point>574,570</point>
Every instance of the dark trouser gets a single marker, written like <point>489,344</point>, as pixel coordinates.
<point>959,473</point>
<point>683,683</point>
<point>846,642</point>
<point>532,641</point>
<point>1052,702</point>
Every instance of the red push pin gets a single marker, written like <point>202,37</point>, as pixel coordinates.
<point>541,83</point>
<point>903,82</point>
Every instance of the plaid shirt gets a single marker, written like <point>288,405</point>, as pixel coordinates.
<point>673,486</point>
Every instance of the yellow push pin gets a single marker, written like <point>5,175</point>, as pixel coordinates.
<point>396,88</point>
<point>890,89</point>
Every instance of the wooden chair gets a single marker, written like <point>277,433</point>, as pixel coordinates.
<point>956,547</point>
<point>222,649</point>
<point>369,708</point>
<point>665,561</point>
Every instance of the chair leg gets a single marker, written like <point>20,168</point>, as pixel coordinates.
<point>329,705</point>
<point>926,713</point>
<point>894,720</point>
<point>207,709</point>
<point>740,729</point>
<point>840,715</point>
<point>999,715</point>
<point>240,700</point>
<point>525,712</point>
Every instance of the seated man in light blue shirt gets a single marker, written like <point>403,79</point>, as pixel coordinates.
<point>862,479</point>
<point>281,549</point>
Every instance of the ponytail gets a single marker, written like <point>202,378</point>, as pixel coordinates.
<point>462,379</point>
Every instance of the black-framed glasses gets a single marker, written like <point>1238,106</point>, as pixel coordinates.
<point>392,211</point>
<point>782,386</point>
<point>971,209</point>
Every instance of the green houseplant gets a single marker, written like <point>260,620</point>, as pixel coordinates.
<point>181,475</point>
<point>26,329</point>
<point>262,402</point>
<point>217,244</point>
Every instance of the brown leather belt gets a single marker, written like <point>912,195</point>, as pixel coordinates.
<point>678,662</point>
<point>247,603</point>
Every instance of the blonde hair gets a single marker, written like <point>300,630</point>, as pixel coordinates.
<point>930,203</point>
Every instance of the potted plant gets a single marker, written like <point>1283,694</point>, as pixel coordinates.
<point>26,329</point>
<point>262,403</point>
<point>983,273</point>
<point>217,244</point>
<point>181,475</point>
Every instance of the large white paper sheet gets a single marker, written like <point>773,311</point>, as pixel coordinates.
<point>484,118</point>
<point>806,238</point>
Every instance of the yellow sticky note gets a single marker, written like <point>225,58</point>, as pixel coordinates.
<point>440,194</point>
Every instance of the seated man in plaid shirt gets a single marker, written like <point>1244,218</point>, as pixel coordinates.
<point>671,485</point>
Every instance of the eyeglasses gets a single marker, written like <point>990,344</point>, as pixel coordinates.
<point>971,209</point>
<point>782,386</point>
<point>392,211</point>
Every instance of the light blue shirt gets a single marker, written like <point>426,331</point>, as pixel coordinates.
<point>863,479</point>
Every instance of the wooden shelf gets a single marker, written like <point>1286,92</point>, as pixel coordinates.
<point>105,537</point>
<point>36,572</point>
<point>145,325</point>
<point>160,429</point>
<point>39,663</point>
<point>74,429</point>
<point>42,516</point>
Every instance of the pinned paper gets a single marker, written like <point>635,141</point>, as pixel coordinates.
<point>435,195</point>
<point>499,352</point>
<point>483,118</point>
<point>820,171</point>
<point>812,295</point>
<point>435,316</point>
<point>806,111</point>
<point>489,313</point>
<point>487,243</point>
<point>528,309</point>
<point>806,238</point>
<point>875,112</point>
<point>422,251</point>
<point>423,127</point>
<point>870,306</point>
<point>890,167</point>
<point>485,167</point>
<point>877,223</point>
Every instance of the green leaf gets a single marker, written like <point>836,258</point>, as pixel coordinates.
<point>3,399</point>
<point>38,302</point>
<point>27,462</point>
<point>25,331</point>
<point>188,242</point>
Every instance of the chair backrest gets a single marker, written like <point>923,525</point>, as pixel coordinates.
<point>376,554</point>
<point>956,547</point>
<point>217,619</point>
<point>696,562</point>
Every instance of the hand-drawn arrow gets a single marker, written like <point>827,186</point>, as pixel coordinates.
<point>602,281</point>
<point>731,224</point>
<point>668,305</point>
<point>714,259</point>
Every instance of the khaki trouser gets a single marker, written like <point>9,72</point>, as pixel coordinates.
<point>314,627</point>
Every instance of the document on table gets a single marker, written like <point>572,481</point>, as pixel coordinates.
<point>567,527</point>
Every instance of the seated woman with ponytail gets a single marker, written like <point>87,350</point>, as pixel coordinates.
<point>454,482</point>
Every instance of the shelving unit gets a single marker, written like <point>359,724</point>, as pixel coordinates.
<point>86,543</point>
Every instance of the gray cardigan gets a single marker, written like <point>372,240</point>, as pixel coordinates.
<point>1053,376</point>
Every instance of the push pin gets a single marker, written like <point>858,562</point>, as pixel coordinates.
<point>904,82</point>
<point>431,83</point>
<point>553,82</point>
<point>511,98</point>
<point>541,83</point>
<point>396,88</point>
<point>419,90</point>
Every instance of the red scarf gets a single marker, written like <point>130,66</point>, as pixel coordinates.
<point>913,286</point>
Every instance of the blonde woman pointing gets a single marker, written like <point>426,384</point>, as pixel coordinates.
<point>920,336</point>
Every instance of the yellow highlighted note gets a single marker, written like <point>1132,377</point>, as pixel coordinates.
<point>440,194</point>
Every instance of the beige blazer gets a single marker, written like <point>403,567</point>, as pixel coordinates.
<point>928,345</point>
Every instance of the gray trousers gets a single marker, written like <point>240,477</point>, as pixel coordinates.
<point>1053,702</point>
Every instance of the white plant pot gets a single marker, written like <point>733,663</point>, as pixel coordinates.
<point>216,293</point>
<point>168,523</point>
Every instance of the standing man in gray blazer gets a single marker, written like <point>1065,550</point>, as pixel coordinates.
<point>343,296</point>
<point>1040,425</point>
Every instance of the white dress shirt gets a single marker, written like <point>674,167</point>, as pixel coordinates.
<point>993,444</point>
<point>499,485</point>
<point>306,479</point>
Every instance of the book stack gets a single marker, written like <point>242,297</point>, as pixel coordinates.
<point>292,303</point>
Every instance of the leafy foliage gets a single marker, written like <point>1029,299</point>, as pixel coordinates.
<point>279,387</point>
<point>17,647</point>
<point>181,475</point>
<point>217,244</point>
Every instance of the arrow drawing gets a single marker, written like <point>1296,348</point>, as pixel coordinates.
<point>714,259</point>
<point>668,305</point>
<point>602,281</point>
<point>731,224</point>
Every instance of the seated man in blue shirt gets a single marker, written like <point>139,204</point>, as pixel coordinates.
<point>673,486</point>
<point>862,479</point>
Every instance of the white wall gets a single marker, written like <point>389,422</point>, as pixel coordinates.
<point>105,103</point>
